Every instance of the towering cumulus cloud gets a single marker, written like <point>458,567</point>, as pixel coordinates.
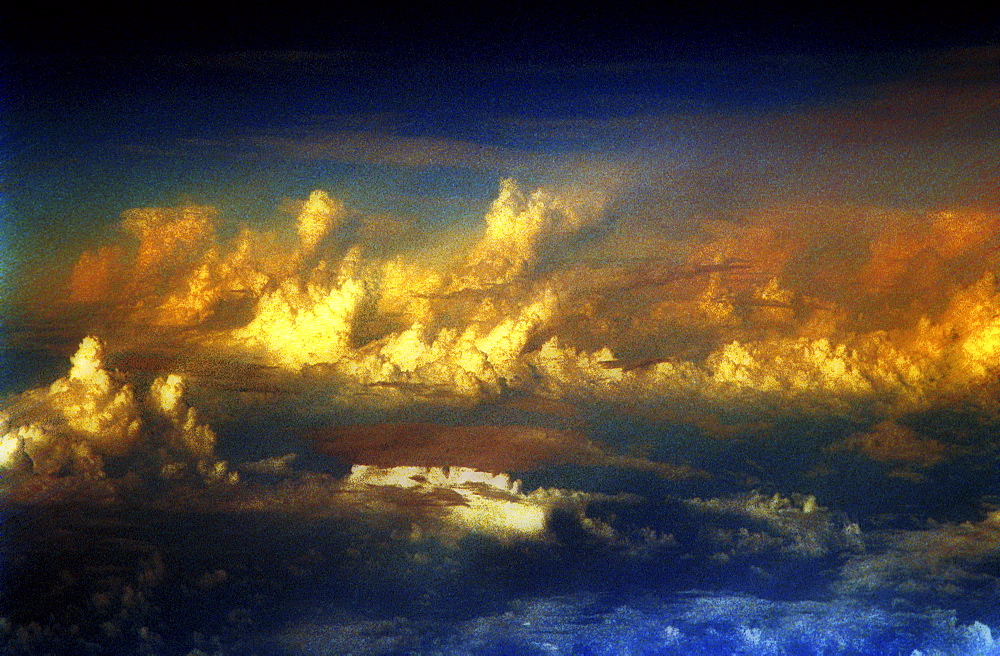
<point>320,214</point>
<point>732,317</point>
<point>73,422</point>
<point>517,226</point>
<point>186,439</point>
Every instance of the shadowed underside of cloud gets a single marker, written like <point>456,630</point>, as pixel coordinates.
<point>411,528</point>
<point>955,560</point>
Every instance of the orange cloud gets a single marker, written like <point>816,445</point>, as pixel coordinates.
<point>893,442</point>
<point>929,253</point>
<point>167,235</point>
<point>91,278</point>
<point>821,309</point>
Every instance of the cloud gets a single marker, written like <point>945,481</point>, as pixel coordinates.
<point>273,466</point>
<point>166,395</point>
<point>863,313</point>
<point>707,624</point>
<point>517,226</point>
<point>73,422</point>
<point>462,499</point>
<point>310,317</point>
<point>945,559</point>
<point>889,441</point>
<point>489,448</point>
<point>319,215</point>
<point>797,526</point>
<point>92,275</point>
<point>825,283</point>
<point>295,325</point>
<point>68,429</point>
<point>166,237</point>
<point>443,504</point>
<point>944,362</point>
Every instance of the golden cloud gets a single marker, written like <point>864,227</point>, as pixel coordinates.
<point>796,310</point>
<point>91,278</point>
<point>71,426</point>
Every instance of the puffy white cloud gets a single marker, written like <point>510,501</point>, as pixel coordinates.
<point>445,504</point>
<point>195,295</point>
<point>310,317</point>
<point>431,477</point>
<point>472,361</point>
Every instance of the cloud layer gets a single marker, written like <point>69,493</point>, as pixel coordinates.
<point>760,314</point>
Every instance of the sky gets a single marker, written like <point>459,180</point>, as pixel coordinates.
<point>500,332</point>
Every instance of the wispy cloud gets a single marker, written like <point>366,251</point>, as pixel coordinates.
<point>393,150</point>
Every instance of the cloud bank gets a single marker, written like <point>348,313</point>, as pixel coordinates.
<point>757,314</point>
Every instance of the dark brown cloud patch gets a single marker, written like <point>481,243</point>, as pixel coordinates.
<point>894,443</point>
<point>486,448</point>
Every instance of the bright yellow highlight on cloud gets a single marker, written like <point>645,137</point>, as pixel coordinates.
<point>83,418</point>
<point>467,500</point>
<point>731,317</point>
<point>73,422</point>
